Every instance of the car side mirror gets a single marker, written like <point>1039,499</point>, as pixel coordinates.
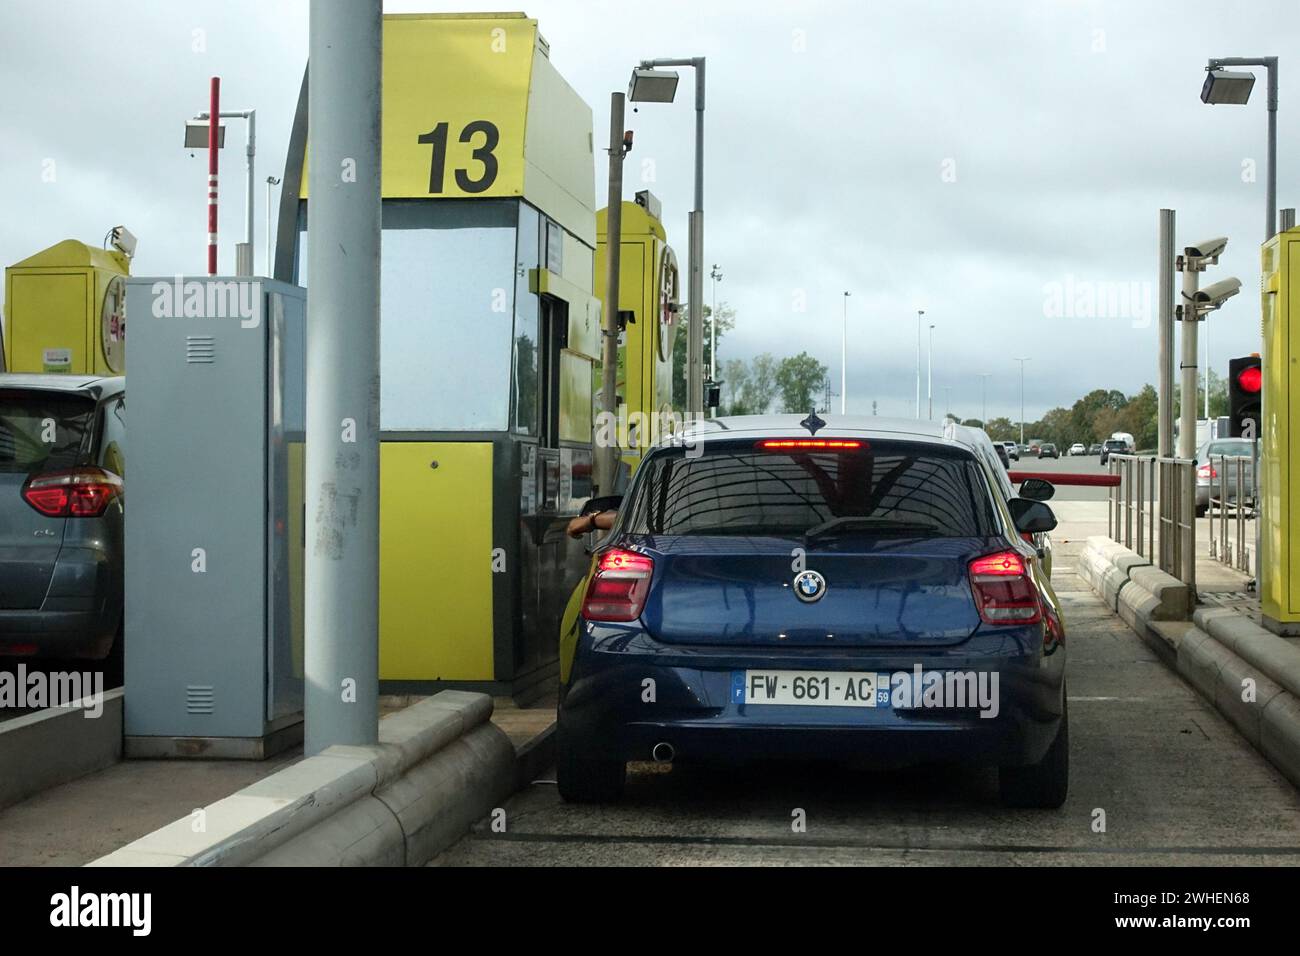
<point>1037,489</point>
<point>604,503</point>
<point>1031,517</point>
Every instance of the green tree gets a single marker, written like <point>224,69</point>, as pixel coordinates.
<point>760,389</point>
<point>1003,429</point>
<point>735,377</point>
<point>799,380</point>
<point>726,322</point>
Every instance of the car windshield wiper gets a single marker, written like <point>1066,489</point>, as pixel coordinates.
<point>865,523</point>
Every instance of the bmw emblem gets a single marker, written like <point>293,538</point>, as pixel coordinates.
<point>809,586</point>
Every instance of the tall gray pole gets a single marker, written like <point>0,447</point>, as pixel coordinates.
<point>1165,359</point>
<point>1187,381</point>
<point>342,552</point>
<point>695,343</point>
<point>1270,225</point>
<point>984,396</point>
<point>919,313</point>
<point>844,359</point>
<point>607,458</point>
<point>1022,362</point>
<point>929,375</point>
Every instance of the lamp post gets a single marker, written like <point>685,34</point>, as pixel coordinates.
<point>716,276</point>
<point>1022,362</point>
<point>1223,87</point>
<point>250,150</point>
<point>919,313</point>
<point>844,358</point>
<point>929,374</point>
<point>651,85</point>
<point>984,396</point>
<point>270,181</point>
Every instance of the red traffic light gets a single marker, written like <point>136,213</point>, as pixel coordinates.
<point>1249,379</point>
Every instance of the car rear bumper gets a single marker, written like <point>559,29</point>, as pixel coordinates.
<point>72,634</point>
<point>626,696</point>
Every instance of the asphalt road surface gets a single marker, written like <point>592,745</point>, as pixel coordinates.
<point>1157,777</point>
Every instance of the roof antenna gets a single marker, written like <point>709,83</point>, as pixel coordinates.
<point>812,423</point>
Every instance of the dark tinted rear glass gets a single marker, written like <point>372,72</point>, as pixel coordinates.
<point>736,489</point>
<point>43,431</point>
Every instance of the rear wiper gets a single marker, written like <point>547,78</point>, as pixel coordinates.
<point>863,523</point>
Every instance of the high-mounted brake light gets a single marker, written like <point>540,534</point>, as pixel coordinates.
<point>808,444</point>
<point>74,493</point>
<point>618,589</point>
<point>1004,592</point>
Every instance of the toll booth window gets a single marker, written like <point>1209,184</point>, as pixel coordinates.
<point>527,320</point>
<point>446,313</point>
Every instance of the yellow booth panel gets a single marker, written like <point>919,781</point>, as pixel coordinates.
<point>50,333</point>
<point>575,397</point>
<point>435,561</point>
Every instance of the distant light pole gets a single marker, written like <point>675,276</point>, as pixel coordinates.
<point>919,313</point>
<point>948,400</point>
<point>716,276</point>
<point>270,181</point>
<point>929,374</point>
<point>844,358</point>
<point>1022,362</point>
<point>984,389</point>
<point>197,127</point>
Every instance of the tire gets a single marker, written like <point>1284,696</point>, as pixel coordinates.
<point>1043,785</point>
<point>583,779</point>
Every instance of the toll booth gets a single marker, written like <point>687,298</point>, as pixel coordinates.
<point>489,347</point>
<point>1279,531</point>
<point>65,311</point>
<point>215,533</point>
<point>649,299</point>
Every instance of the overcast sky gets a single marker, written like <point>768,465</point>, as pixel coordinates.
<point>993,163</point>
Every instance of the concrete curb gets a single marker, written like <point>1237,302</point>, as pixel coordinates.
<point>56,745</point>
<point>1220,653</point>
<point>439,766</point>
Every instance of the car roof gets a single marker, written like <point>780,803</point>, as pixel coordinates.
<point>728,427</point>
<point>93,386</point>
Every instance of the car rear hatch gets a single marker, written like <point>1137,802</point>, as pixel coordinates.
<point>888,530</point>
<point>41,431</point>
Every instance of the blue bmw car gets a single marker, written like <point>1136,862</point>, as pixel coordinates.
<point>843,589</point>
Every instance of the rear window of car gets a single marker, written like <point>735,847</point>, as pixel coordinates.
<point>1116,443</point>
<point>1236,448</point>
<point>43,431</point>
<point>889,488</point>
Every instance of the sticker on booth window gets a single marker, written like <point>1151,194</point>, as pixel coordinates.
<point>57,360</point>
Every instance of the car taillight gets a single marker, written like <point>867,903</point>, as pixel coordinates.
<point>618,589</point>
<point>1206,471</point>
<point>75,493</point>
<point>1004,591</point>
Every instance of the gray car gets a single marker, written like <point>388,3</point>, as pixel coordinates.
<point>62,462</point>
<point>1208,466</point>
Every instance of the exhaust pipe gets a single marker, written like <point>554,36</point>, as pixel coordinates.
<point>663,752</point>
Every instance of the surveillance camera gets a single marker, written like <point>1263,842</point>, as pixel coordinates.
<point>1209,249</point>
<point>1214,295</point>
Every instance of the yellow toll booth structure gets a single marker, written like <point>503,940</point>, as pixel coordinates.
<point>490,345</point>
<point>648,294</point>
<point>1279,506</point>
<point>65,311</point>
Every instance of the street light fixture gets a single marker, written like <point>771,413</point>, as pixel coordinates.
<point>1022,362</point>
<point>929,374</point>
<point>1222,87</point>
<point>844,358</point>
<point>919,313</point>
<point>651,85</point>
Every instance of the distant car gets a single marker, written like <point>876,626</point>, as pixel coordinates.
<point>1208,462</point>
<point>1078,449</point>
<point>1048,450</point>
<point>1013,450</point>
<point>1113,446</point>
<point>1094,448</point>
<point>911,557</point>
<point>62,447</point>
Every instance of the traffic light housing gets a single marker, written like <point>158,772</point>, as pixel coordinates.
<point>1245,385</point>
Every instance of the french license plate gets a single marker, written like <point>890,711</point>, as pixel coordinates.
<point>811,688</point>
